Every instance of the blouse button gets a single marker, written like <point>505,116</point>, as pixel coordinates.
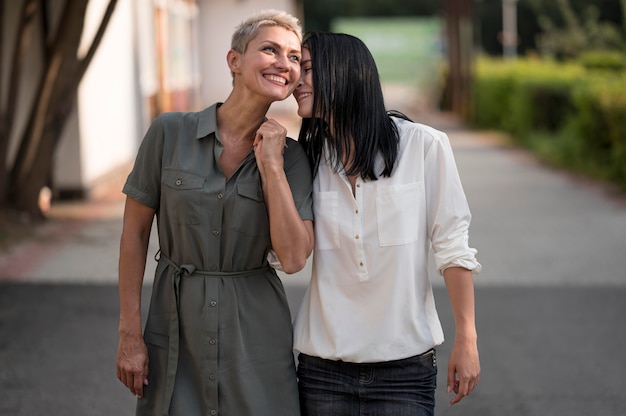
<point>179,182</point>
<point>213,302</point>
<point>213,267</point>
<point>213,412</point>
<point>356,236</point>
<point>220,196</point>
<point>216,231</point>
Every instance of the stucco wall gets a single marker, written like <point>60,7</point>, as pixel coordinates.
<point>102,134</point>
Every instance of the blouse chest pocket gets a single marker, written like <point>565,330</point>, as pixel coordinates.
<point>250,214</point>
<point>398,210</point>
<point>183,196</point>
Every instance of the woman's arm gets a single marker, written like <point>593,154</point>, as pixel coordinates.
<point>464,364</point>
<point>132,355</point>
<point>292,237</point>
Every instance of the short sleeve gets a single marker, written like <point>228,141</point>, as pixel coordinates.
<point>144,181</point>
<point>300,180</point>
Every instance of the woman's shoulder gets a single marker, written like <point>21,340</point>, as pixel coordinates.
<point>175,117</point>
<point>293,147</point>
<point>416,132</point>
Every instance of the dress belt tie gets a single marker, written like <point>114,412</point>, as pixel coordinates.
<point>174,329</point>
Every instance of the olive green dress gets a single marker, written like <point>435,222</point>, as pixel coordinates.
<point>219,331</point>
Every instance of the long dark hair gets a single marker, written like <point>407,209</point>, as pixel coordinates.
<point>348,101</point>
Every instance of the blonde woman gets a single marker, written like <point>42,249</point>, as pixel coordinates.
<point>226,186</point>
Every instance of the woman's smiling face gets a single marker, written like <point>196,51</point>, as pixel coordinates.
<point>270,66</point>
<point>304,92</point>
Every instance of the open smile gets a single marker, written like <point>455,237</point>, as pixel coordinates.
<point>303,95</point>
<point>276,78</point>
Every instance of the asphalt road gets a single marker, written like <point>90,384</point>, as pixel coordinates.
<point>544,351</point>
<point>551,299</point>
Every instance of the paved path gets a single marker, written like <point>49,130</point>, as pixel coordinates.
<point>550,300</point>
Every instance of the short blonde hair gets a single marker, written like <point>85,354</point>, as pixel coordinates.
<point>249,28</point>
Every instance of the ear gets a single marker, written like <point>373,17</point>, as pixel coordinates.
<point>233,58</point>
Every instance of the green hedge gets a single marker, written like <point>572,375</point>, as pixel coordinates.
<point>570,115</point>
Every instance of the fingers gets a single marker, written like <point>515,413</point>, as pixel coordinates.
<point>462,383</point>
<point>271,130</point>
<point>461,388</point>
<point>269,145</point>
<point>132,365</point>
<point>134,380</point>
<point>137,385</point>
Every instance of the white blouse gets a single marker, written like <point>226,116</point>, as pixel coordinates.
<point>370,297</point>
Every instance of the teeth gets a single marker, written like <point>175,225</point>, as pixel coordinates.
<point>276,78</point>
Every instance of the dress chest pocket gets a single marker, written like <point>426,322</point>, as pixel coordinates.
<point>398,210</point>
<point>183,196</point>
<point>250,216</point>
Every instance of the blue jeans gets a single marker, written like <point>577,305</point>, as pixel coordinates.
<point>392,388</point>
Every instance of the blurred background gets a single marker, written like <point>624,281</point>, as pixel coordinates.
<point>81,80</point>
<point>532,94</point>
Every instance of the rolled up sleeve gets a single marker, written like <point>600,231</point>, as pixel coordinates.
<point>448,212</point>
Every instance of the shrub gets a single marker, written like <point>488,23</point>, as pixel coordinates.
<point>603,60</point>
<point>570,115</point>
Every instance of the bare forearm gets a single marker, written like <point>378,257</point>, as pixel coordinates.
<point>291,239</point>
<point>131,270</point>
<point>133,251</point>
<point>460,286</point>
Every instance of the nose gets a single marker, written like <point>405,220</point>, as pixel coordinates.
<point>282,61</point>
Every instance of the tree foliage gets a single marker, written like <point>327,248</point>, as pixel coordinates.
<point>541,22</point>
<point>56,35</point>
<point>579,31</point>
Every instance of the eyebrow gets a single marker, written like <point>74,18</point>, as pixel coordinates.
<point>278,45</point>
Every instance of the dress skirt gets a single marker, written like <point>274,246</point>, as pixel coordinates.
<point>219,343</point>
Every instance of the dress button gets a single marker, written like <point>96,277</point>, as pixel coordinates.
<point>220,196</point>
<point>212,341</point>
<point>213,302</point>
<point>216,232</point>
<point>179,182</point>
<point>212,377</point>
<point>356,236</point>
<point>213,412</point>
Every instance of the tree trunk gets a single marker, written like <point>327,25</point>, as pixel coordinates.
<point>8,104</point>
<point>459,17</point>
<point>54,101</point>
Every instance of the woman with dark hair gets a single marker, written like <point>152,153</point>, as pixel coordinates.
<point>386,190</point>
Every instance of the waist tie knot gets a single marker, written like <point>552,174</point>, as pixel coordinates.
<point>174,323</point>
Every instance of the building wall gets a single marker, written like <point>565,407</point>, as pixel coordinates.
<point>155,56</point>
<point>101,135</point>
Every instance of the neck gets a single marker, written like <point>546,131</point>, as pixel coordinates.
<point>239,122</point>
